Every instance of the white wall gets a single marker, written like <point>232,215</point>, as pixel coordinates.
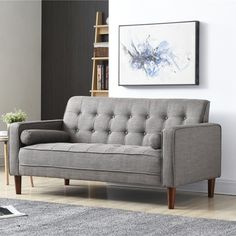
<point>20,58</point>
<point>217,63</point>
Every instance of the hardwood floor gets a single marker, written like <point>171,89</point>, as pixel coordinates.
<point>110,196</point>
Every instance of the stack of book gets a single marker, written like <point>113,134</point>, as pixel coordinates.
<point>102,76</point>
<point>101,49</point>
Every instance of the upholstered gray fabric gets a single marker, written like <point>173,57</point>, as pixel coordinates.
<point>153,140</point>
<point>191,153</point>
<point>136,141</point>
<point>128,121</point>
<point>96,161</point>
<point>111,177</point>
<point>35,136</point>
<point>14,138</point>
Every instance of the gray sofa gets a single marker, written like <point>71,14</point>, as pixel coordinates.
<point>152,142</point>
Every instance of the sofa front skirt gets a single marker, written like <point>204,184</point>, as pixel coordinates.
<point>98,162</point>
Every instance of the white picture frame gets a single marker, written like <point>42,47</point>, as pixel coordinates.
<point>159,54</point>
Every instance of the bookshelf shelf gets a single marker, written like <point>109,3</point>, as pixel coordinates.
<point>100,59</point>
<point>100,26</point>
<point>99,91</point>
<point>102,29</point>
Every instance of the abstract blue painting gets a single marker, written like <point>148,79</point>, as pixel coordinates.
<point>159,54</point>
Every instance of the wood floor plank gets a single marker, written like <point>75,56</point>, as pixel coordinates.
<point>101,195</point>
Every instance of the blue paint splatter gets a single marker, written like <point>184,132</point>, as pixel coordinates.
<point>151,60</point>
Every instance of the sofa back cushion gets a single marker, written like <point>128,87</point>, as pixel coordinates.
<point>129,121</point>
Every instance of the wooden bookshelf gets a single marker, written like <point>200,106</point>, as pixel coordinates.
<point>99,93</point>
<point>100,58</point>
<point>102,29</point>
<point>101,26</point>
<point>98,77</point>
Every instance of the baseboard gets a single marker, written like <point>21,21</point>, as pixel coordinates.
<point>223,186</point>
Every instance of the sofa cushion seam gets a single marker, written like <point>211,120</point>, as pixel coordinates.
<point>84,169</point>
<point>51,150</point>
<point>197,126</point>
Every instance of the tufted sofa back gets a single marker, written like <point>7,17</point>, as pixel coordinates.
<point>128,121</point>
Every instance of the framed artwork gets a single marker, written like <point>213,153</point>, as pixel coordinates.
<point>159,54</point>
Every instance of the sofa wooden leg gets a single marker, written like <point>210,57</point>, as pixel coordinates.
<point>67,181</point>
<point>171,192</point>
<point>18,184</point>
<point>211,188</point>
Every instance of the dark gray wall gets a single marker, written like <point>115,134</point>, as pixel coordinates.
<point>67,48</point>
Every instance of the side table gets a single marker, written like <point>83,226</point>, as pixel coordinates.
<point>4,139</point>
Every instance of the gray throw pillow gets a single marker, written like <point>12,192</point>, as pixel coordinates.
<point>155,141</point>
<point>35,136</point>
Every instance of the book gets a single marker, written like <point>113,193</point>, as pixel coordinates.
<point>103,76</point>
<point>101,45</point>
<point>99,77</point>
<point>107,77</point>
<point>101,52</point>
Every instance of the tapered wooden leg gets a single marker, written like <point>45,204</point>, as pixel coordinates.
<point>211,188</point>
<point>67,181</point>
<point>6,163</point>
<point>18,184</point>
<point>31,181</point>
<point>171,192</point>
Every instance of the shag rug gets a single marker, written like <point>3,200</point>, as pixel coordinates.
<point>67,220</point>
<point>9,211</point>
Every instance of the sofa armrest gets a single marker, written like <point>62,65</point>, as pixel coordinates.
<point>191,153</point>
<point>14,138</point>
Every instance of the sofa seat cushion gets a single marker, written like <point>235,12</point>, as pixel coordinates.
<point>93,157</point>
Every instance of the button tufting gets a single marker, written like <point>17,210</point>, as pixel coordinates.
<point>166,118</point>
<point>109,132</point>
<point>147,117</point>
<point>144,133</point>
<point>92,130</point>
<point>185,117</point>
<point>130,116</point>
<point>126,132</point>
<point>112,116</point>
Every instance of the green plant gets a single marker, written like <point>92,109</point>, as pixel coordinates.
<point>12,117</point>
